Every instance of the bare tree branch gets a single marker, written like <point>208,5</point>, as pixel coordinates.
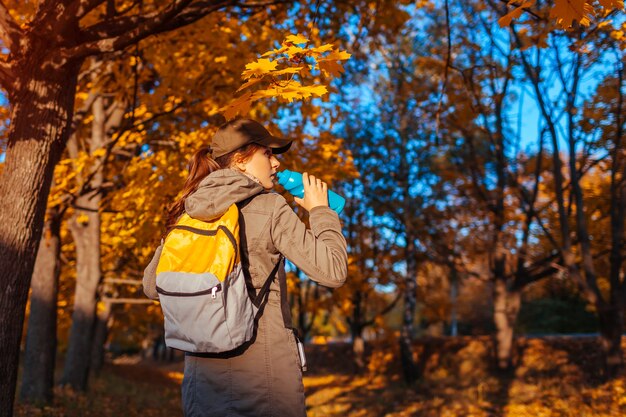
<point>198,10</point>
<point>9,29</point>
<point>122,24</point>
<point>123,31</point>
<point>445,72</point>
<point>136,29</point>
<point>118,26</point>
<point>385,310</point>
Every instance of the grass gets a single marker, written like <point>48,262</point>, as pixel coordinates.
<point>553,377</point>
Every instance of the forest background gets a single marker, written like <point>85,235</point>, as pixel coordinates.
<point>478,143</point>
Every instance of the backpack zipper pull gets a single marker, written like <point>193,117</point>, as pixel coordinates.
<point>213,292</point>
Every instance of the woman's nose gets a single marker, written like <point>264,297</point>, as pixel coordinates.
<point>275,162</point>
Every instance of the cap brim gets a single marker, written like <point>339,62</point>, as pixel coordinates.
<point>277,145</point>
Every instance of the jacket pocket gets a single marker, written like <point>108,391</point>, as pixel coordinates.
<point>297,349</point>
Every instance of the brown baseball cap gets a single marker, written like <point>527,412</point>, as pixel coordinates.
<point>240,132</point>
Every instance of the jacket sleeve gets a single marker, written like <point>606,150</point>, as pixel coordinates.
<point>149,275</point>
<point>320,252</point>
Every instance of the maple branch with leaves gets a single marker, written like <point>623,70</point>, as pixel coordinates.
<point>293,58</point>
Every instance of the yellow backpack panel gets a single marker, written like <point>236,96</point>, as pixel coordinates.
<point>197,247</point>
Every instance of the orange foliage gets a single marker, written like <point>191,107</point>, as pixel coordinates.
<point>565,13</point>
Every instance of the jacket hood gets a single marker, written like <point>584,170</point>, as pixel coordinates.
<point>218,191</point>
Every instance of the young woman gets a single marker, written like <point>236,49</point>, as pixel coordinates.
<point>263,377</point>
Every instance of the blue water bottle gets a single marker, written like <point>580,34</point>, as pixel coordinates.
<point>292,181</point>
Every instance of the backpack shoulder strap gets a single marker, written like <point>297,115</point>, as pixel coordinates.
<point>266,286</point>
<point>263,292</point>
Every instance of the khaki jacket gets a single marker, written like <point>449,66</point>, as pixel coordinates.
<point>262,377</point>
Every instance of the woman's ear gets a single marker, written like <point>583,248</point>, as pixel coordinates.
<point>240,164</point>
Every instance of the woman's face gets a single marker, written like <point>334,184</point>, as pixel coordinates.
<point>262,165</point>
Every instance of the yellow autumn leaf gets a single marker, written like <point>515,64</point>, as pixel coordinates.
<point>241,105</point>
<point>338,56</point>
<point>612,4</point>
<point>82,96</point>
<point>515,13</point>
<point>249,83</point>
<point>305,71</point>
<point>329,67</point>
<point>291,51</point>
<point>289,94</point>
<point>567,11</point>
<point>322,49</point>
<point>275,51</point>
<point>294,90</point>
<point>617,35</point>
<point>82,219</point>
<point>288,70</point>
<point>296,39</point>
<point>99,152</point>
<point>259,68</point>
<point>287,49</point>
<point>605,23</point>
<point>287,91</point>
<point>276,90</point>
<point>266,93</point>
<point>316,90</point>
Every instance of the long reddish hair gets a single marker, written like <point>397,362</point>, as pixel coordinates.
<point>201,164</point>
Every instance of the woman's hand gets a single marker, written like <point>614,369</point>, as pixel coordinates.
<point>315,193</point>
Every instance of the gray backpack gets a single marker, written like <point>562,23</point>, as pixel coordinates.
<point>207,306</point>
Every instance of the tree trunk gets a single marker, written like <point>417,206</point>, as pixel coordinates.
<point>612,325</point>
<point>303,307</point>
<point>40,122</point>
<point>307,310</point>
<point>101,333</point>
<point>410,301</point>
<point>356,331</point>
<point>611,328</point>
<point>454,291</point>
<point>85,229</point>
<point>41,338</point>
<point>358,348</point>
<point>506,305</point>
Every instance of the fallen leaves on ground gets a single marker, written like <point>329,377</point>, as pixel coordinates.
<point>555,377</point>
